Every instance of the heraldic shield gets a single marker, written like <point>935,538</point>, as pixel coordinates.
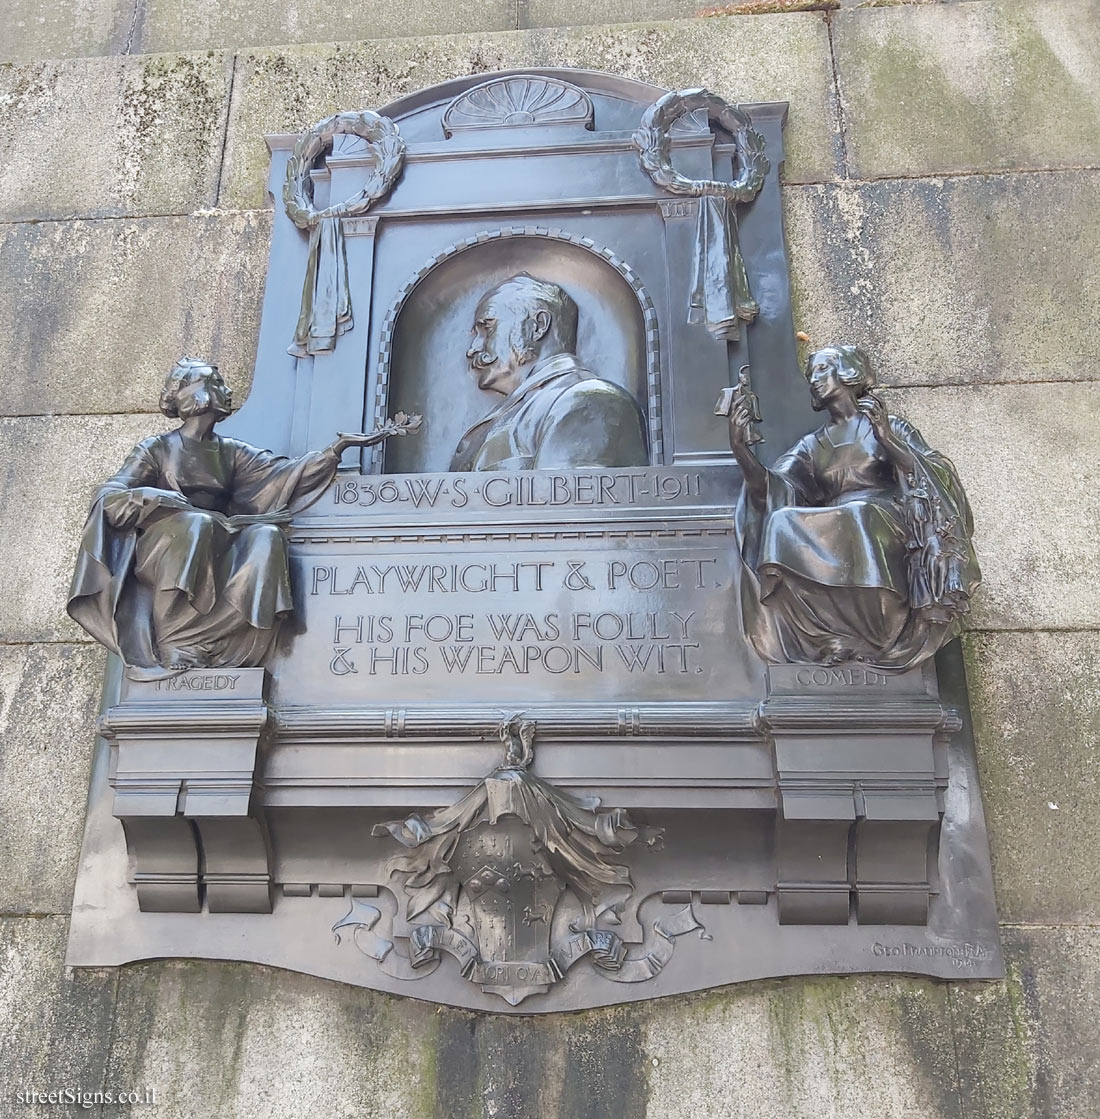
<point>510,893</point>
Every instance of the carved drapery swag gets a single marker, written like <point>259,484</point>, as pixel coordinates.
<point>575,833</point>
<point>326,297</point>
<point>720,295</point>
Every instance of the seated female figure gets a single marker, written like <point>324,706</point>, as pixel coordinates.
<point>183,561</point>
<point>856,545</point>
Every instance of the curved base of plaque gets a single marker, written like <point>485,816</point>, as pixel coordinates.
<point>811,872</point>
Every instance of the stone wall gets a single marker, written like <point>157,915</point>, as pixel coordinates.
<point>942,200</point>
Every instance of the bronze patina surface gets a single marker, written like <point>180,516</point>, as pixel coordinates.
<point>591,691</point>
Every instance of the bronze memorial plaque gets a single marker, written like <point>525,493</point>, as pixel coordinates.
<point>542,632</point>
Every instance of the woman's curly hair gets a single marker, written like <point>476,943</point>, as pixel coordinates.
<point>186,370</point>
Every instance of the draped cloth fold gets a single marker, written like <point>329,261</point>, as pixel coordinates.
<point>576,835</point>
<point>842,561</point>
<point>720,296</point>
<point>326,291</point>
<point>201,575</point>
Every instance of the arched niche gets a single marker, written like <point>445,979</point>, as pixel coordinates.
<point>422,365</point>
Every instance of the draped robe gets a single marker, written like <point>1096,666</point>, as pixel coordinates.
<point>205,584</point>
<point>845,561</point>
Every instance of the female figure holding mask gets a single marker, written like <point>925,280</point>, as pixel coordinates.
<point>856,545</point>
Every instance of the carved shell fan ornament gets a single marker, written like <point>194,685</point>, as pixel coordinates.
<point>518,101</point>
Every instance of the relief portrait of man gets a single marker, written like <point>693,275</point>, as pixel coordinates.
<point>556,414</point>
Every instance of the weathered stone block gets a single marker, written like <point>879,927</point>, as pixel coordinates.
<point>838,1047</point>
<point>49,695</point>
<point>180,25</point>
<point>969,87</point>
<point>1027,1046</point>
<point>288,1034</point>
<point>948,281</point>
<point>578,13</point>
<point>65,28</point>
<point>767,58</point>
<point>105,136</point>
<point>57,1023</point>
<point>94,313</point>
<point>50,467</point>
<point>804,1049</point>
<point>1035,699</point>
<point>1027,456</point>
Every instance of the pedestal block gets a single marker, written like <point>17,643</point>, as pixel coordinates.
<point>859,793</point>
<point>185,752</point>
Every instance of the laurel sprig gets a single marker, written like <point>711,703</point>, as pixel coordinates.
<point>403,423</point>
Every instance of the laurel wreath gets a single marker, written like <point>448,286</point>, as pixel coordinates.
<point>387,149</point>
<point>654,144</point>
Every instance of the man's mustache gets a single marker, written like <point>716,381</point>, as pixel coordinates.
<point>483,360</point>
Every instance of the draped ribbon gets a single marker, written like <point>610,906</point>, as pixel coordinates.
<point>326,292</point>
<point>720,296</point>
<point>361,919</point>
<point>659,948</point>
<point>607,950</point>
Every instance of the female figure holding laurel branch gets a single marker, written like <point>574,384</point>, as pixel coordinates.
<point>183,561</point>
<point>856,544</point>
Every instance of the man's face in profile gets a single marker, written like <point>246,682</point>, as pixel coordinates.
<point>504,335</point>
